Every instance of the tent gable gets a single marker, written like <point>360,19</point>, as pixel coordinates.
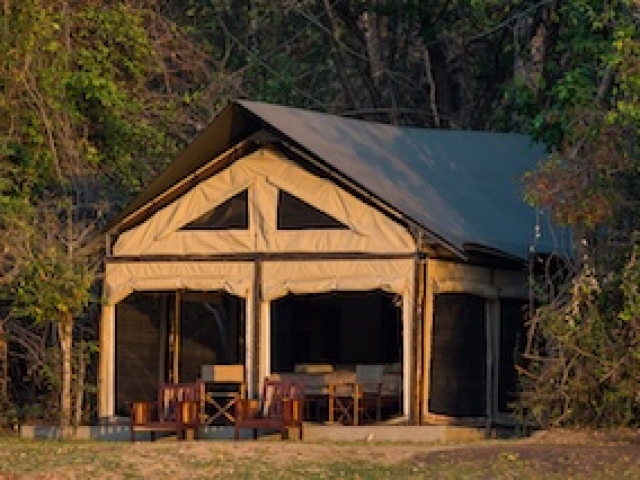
<point>288,209</point>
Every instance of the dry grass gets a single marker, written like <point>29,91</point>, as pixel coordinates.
<point>558,455</point>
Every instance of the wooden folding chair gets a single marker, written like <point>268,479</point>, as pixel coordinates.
<point>343,402</point>
<point>351,402</point>
<point>224,385</point>
<point>369,379</point>
<point>279,408</point>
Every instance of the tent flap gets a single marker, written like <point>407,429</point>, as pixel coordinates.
<point>121,279</point>
<point>281,278</point>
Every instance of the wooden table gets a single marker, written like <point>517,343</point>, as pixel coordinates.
<point>334,389</point>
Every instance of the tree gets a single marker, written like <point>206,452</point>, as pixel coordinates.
<point>88,114</point>
<point>54,286</point>
<point>585,104</point>
<point>399,62</point>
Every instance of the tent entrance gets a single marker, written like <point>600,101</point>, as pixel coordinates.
<point>341,329</point>
<point>163,336</point>
<point>326,336</point>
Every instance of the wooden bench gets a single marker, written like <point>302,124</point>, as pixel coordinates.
<point>177,409</point>
<point>279,408</point>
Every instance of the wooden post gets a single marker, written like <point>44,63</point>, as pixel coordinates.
<point>163,340</point>
<point>416,346</point>
<point>427,333</point>
<point>492,319</point>
<point>257,330</point>
<point>175,359</point>
<point>420,340</point>
<point>107,378</point>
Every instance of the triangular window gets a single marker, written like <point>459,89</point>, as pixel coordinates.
<point>295,214</point>
<point>230,215</point>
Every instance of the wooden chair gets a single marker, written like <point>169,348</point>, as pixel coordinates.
<point>279,408</point>
<point>352,402</point>
<point>224,386</point>
<point>177,409</point>
<point>369,379</point>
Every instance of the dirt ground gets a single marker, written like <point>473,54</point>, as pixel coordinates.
<point>558,454</point>
<point>553,454</point>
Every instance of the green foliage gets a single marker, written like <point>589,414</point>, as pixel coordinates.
<point>77,97</point>
<point>86,118</point>
<point>75,109</point>
<point>586,110</point>
<point>585,367</point>
<point>51,287</point>
<point>630,287</point>
<point>106,88</point>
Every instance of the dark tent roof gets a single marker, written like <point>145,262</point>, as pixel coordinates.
<point>462,186</point>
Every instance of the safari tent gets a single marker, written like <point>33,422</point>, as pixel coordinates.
<point>282,238</point>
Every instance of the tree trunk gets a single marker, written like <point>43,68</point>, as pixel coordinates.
<point>80,385</point>
<point>65,330</point>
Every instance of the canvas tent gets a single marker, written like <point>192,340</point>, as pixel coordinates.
<point>282,236</point>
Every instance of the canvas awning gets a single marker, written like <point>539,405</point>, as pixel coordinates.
<point>121,279</point>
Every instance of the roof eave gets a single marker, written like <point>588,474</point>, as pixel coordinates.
<point>228,127</point>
